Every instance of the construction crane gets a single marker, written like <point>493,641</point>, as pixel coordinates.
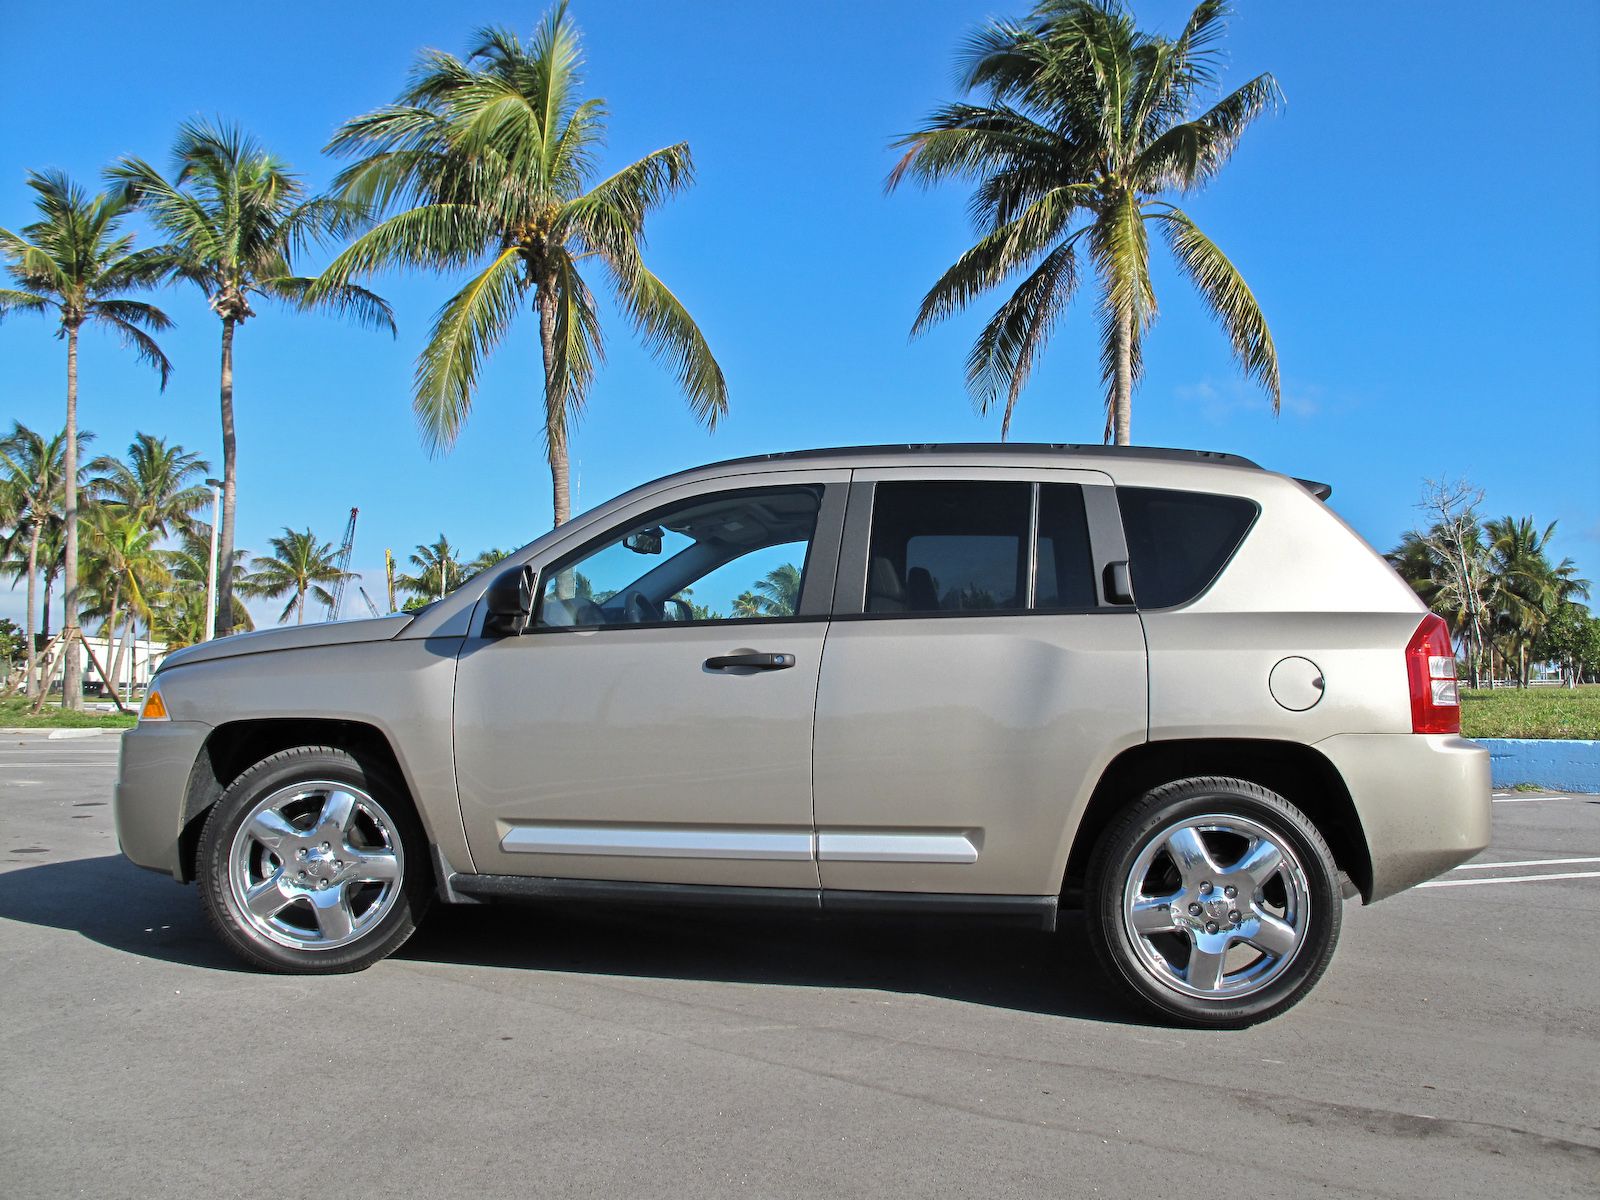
<point>343,564</point>
<point>367,600</point>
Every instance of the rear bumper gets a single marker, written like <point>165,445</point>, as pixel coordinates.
<point>152,787</point>
<point>1423,800</point>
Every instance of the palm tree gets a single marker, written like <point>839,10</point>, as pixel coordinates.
<point>490,158</point>
<point>780,591</point>
<point>487,559</point>
<point>748,604</point>
<point>72,261</point>
<point>439,571</point>
<point>34,467</point>
<point>52,564</point>
<point>234,216</point>
<point>1529,587</point>
<point>299,566</point>
<point>1087,123</point>
<point>189,566</point>
<point>124,565</point>
<point>156,481</point>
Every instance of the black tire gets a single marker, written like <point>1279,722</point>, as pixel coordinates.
<point>383,814</point>
<point>1307,885</point>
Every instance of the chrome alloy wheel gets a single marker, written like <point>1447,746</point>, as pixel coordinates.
<point>1216,906</point>
<point>315,865</point>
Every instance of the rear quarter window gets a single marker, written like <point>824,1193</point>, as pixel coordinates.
<point>1178,542</point>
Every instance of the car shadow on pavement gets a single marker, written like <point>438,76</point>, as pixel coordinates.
<point>999,966</point>
<point>111,901</point>
<point>119,905</point>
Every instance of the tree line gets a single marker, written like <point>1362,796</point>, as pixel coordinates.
<point>1509,603</point>
<point>146,551</point>
<point>1074,129</point>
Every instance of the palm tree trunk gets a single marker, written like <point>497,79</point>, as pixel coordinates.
<point>111,632</point>
<point>555,409</point>
<point>33,586</point>
<point>124,643</point>
<point>44,610</point>
<point>1122,400</point>
<point>72,678</point>
<point>300,605</point>
<point>121,647</point>
<point>230,493</point>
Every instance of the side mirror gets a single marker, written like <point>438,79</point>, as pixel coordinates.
<point>510,603</point>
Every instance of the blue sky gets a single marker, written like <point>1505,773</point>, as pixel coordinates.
<point>1418,224</point>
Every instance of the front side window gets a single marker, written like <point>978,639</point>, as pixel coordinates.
<point>728,557</point>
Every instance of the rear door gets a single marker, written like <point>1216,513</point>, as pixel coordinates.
<point>976,680</point>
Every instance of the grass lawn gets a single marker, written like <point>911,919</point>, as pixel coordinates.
<point>1531,712</point>
<point>1504,713</point>
<point>14,714</point>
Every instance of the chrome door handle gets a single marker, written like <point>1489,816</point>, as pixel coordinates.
<point>751,659</point>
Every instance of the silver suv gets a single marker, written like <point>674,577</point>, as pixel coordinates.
<point>1167,687</point>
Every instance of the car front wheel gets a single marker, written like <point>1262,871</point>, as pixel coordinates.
<point>1215,901</point>
<point>312,862</point>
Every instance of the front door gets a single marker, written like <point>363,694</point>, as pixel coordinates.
<point>655,723</point>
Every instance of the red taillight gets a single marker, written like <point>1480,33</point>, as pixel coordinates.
<point>1431,668</point>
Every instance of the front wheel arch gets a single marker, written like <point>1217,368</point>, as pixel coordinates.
<point>233,748</point>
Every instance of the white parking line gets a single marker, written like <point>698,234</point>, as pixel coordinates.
<point>1527,862</point>
<point>1525,799</point>
<point>1510,879</point>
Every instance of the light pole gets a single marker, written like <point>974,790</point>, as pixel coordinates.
<point>211,575</point>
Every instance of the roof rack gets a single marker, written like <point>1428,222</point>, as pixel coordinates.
<point>1157,453</point>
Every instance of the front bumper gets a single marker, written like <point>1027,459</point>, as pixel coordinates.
<point>153,770</point>
<point>1423,800</point>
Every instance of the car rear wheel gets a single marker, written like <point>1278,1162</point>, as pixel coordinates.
<point>1215,901</point>
<point>312,862</point>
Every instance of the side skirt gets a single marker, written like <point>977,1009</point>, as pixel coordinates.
<point>1038,912</point>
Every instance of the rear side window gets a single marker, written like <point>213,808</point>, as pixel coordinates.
<point>948,547</point>
<point>962,546</point>
<point>1065,574</point>
<point>1178,542</point>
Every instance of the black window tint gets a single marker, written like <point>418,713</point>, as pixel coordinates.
<point>1179,541</point>
<point>1065,574</point>
<point>948,547</point>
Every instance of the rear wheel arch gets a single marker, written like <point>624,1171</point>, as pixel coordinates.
<point>1297,772</point>
<point>235,747</point>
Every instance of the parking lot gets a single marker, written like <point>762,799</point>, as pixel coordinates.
<point>1453,1049</point>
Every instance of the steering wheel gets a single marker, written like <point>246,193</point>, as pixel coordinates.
<point>639,609</point>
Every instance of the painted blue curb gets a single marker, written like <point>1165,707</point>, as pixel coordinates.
<point>1561,765</point>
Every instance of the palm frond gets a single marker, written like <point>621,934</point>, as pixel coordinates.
<point>1189,155</point>
<point>466,329</point>
<point>673,338</point>
<point>997,254</point>
<point>137,340</point>
<point>1228,297</point>
<point>1003,356</point>
<point>434,235</point>
<point>366,308</point>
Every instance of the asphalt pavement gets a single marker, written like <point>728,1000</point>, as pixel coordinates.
<point>1453,1049</point>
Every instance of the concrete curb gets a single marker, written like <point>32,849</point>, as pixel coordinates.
<point>1559,764</point>
<point>59,735</point>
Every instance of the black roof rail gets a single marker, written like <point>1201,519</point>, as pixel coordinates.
<point>1157,453</point>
